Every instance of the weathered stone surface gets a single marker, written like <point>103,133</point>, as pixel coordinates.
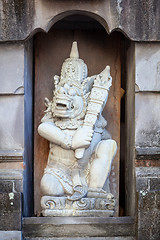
<point>11,155</point>
<point>11,185</point>
<point>147,179</point>
<point>18,186</point>
<point>147,66</point>
<point>149,215</point>
<point>147,124</point>
<point>6,186</point>
<point>141,184</point>
<point>12,68</point>
<point>147,172</point>
<point>12,122</point>
<point>78,227</point>
<point>10,235</point>
<point>12,165</point>
<point>84,238</point>
<point>148,186</point>
<point>155,184</point>
<point>10,211</point>
<point>16,18</point>
<point>89,207</point>
<point>136,19</point>
<point>144,161</point>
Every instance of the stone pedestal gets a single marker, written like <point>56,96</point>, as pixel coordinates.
<point>91,207</point>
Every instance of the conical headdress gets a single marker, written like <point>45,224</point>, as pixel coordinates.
<point>74,70</point>
<point>74,51</point>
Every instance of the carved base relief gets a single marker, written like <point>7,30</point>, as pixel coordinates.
<point>91,207</point>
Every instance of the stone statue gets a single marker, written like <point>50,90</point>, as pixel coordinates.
<point>81,149</point>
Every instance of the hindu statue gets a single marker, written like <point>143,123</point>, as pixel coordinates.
<point>81,149</point>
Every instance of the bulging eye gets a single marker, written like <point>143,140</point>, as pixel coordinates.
<point>72,92</point>
<point>66,86</point>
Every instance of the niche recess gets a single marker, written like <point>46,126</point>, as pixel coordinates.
<point>97,49</point>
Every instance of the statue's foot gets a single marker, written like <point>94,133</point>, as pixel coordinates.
<point>98,190</point>
<point>98,193</point>
<point>79,192</point>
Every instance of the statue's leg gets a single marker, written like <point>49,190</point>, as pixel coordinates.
<point>51,186</point>
<point>79,186</point>
<point>101,165</point>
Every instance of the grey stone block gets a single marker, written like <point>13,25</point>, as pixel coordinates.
<point>155,184</point>
<point>141,184</point>
<point>85,238</point>
<point>18,186</point>
<point>137,19</point>
<point>11,174</point>
<point>147,66</point>
<point>10,235</point>
<point>12,122</point>
<point>148,172</point>
<point>10,211</point>
<point>67,227</point>
<point>12,68</point>
<point>147,124</point>
<point>149,215</point>
<point>6,186</point>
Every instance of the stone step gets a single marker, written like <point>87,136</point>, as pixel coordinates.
<point>79,228</point>
<point>85,238</point>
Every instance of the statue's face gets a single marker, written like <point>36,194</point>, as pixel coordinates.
<point>67,101</point>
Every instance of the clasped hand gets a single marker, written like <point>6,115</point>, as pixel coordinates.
<point>82,138</point>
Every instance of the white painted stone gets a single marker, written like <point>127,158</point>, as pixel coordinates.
<point>147,120</point>
<point>11,122</point>
<point>10,235</point>
<point>147,61</point>
<point>11,174</point>
<point>11,68</point>
<point>81,150</point>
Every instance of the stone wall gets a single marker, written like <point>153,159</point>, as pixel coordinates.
<point>148,188</point>
<point>16,134</point>
<point>139,20</point>
<point>12,138</point>
<point>147,101</point>
<point>15,159</point>
<point>147,139</point>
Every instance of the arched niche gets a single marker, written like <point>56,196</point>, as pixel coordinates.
<point>97,49</point>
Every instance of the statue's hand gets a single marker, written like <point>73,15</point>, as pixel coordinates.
<point>82,138</point>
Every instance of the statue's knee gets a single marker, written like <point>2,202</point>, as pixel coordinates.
<point>51,186</point>
<point>106,147</point>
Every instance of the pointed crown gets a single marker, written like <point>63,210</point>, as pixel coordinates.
<point>74,70</point>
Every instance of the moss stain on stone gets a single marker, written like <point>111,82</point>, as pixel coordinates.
<point>16,18</point>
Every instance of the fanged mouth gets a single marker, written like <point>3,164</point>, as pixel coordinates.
<point>63,105</point>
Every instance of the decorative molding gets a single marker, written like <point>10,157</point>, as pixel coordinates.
<point>11,155</point>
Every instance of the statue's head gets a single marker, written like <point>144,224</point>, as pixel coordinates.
<point>72,88</point>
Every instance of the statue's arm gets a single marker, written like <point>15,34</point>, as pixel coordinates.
<point>81,138</point>
<point>49,131</point>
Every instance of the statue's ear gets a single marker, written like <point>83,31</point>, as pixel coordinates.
<point>56,80</point>
<point>46,102</point>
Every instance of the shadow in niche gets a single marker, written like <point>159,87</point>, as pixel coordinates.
<point>51,50</point>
